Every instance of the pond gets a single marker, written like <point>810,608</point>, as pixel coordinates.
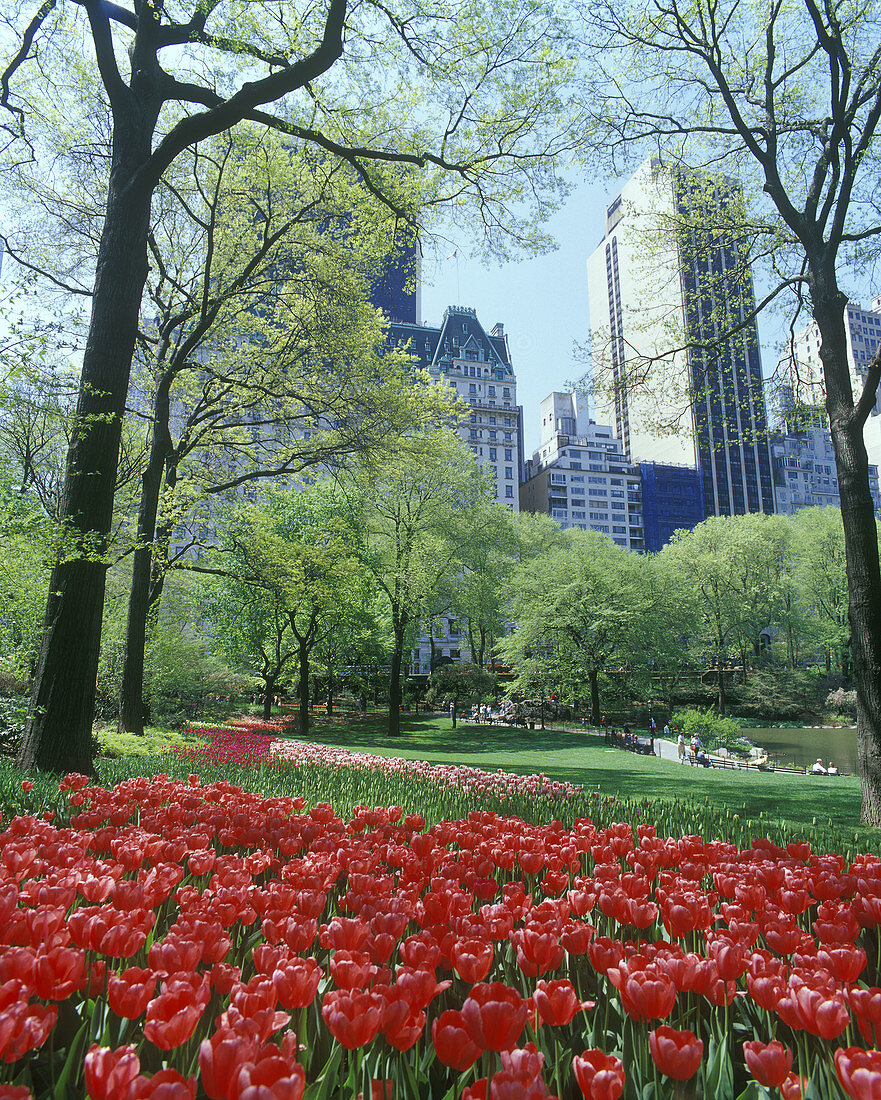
<point>800,747</point>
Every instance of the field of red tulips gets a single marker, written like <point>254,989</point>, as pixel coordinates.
<point>174,939</point>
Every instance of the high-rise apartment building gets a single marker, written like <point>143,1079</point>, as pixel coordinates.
<point>666,279</point>
<point>804,462</point>
<point>580,477</point>
<point>863,328</point>
<point>476,365</point>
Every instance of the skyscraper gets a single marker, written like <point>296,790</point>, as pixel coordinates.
<point>667,278</point>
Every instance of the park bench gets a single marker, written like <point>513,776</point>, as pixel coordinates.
<point>635,742</point>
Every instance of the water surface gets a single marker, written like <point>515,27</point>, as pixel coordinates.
<point>799,748</point>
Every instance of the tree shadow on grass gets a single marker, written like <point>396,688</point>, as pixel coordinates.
<point>424,735</point>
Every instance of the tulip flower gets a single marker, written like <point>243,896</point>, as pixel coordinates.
<point>557,1002</point>
<point>494,1015</point>
<point>452,1042</point>
<point>677,1054</point>
<point>109,1073</point>
<point>769,1063</point>
<point>599,1076</point>
<point>859,1072</point>
<point>353,1018</point>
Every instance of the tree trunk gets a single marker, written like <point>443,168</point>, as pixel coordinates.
<point>268,692</point>
<point>131,699</point>
<point>59,732</point>
<point>303,685</point>
<point>593,679</point>
<point>860,544</point>
<point>394,687</point>
<point>721,701</point>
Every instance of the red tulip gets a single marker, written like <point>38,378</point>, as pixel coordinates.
<point>296,982</point>
<point>167,1084</point>
<point>472,959</point>
<point>557,1002</point>
<point>351,969</point>
<point>271,1078</point>
<point>452,1043</point>
<point>859,1072</point>
<point>59,973</point>
<point>130,991</point>
<point>600,1076</point>
<point>677,1054</point>
<point>353,1018</point>
<point>109,1073</point>
<point>220,1059</point>
<point>648,995</point>
<point>28,1027</point>
<point>172,1018</point>
<point>768,1063</point>
<point>494,1015</point>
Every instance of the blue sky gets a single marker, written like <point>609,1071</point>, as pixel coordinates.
<point>541,301</point>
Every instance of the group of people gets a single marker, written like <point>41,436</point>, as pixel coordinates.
<point>818,768</point>
<point>698,752</point>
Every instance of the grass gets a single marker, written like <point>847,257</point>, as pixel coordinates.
<point>584,758</point>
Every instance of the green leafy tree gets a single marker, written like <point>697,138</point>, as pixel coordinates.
<point>707,561</point>
<point>820,575</point>
<point>27,545</point>
<point>577,609</point>
<point>288,565</point>
<point>416,515</point>
<point>263,357</point>
<point>471,112</point>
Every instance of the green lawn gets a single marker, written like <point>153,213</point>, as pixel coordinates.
<point>585,759</point>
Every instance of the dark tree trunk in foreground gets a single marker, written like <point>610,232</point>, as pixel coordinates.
<point>58,735</point>
<point>303,686</point>
<point>131,698</point>
<point>268,693</point>
<point>860,539</point>
<point>593,680</point>
<point>395,694</point>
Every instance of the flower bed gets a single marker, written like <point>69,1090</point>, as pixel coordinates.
<point>251,742</point>
<point>174,940</point>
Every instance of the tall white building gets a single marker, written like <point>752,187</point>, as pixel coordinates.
<point>580,476</point>
<point>661,285</point>
<point>863,328</point>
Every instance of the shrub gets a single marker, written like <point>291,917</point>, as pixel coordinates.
<point>842,702</point>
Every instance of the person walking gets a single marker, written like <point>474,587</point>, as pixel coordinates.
<point>453,714</point>
<point>680,747</point>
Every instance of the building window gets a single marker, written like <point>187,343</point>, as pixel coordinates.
<point>508,454</point>
<point>472,388</point>
<point>509,490</point>
<point>509,472</point>
<point>492,454</point>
